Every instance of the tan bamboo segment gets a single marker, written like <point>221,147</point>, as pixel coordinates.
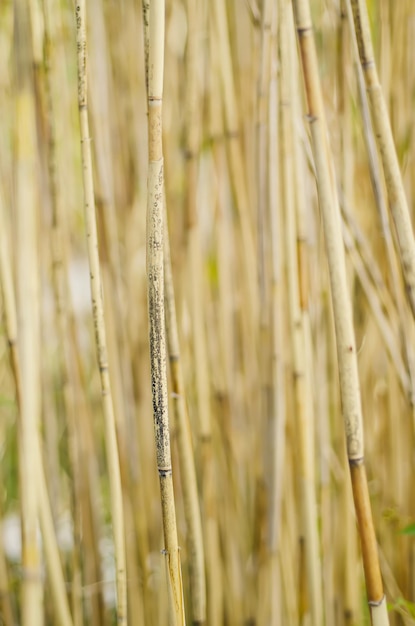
<point>289,556</point>
<point>60,600</point>
<point>382,322</point>
<point>321,584</point>
<point>61,289</point>
<point>298,319</point>
<point>261,141</point>
<point>194,536</point>
<point>57,583</point>
<point>155,286</point>
<point>278,412</point>
<point>263,470</point>
<point>195,266</point>
<point>383,132</point>
<point>219,455</point>
<point>211,522</point>
<point>100,87</point>
<point>374,165</point>
<point>78,424</point>
<point>236,165</point>
<point>115,314</point>
<point>98,317</point>
<point>28,312</point>
<point>346,349</point>
<point>378,190</point>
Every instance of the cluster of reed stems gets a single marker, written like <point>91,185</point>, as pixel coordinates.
<point>207,272</point>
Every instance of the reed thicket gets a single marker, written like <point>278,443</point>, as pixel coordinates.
<point>253,364</point>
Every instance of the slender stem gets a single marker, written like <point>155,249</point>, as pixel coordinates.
<point>28,311</point>
<point>186,458</point>
<point>383,132</point>
<point>99,324</point>
<point>346,349</point>
<point>187,465</point>
<point>155,294</point>
<point>298,322</point>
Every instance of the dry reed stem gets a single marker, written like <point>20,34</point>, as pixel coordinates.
<point>61,289</point>
<point>57,582</point>
<point>346,350</point>
<point>234,519</point>
<point>261,141</point>
<point>378,190</point>
<point>209,462</point>
<point>263,464</point>
<point>298,320</point>
<point>236,167</point>
<point>62,613</point>
<point>115,313</point>
<point>384,326</point>
<point>383,133</point>
<point>185,448</point>
<point>101,86</point>
<point>99,324</point>
<point>195,265</point>
<point>28,312</point>
<point>278,411</point>
<point>155,285</point>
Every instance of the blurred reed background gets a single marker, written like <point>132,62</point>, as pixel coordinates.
<point>263,500</point>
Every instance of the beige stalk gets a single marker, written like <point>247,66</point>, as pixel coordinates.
<point>383,132</point>
<point>298,312</point>
<point>28,316</point>
<point>186,458</point>
<point>99,324</point>
<point>155,285</point>
<point>278,406</point>
<point>346,348</point>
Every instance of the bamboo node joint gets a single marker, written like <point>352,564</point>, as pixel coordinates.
<point>165,472</point>
<point>356,462</point>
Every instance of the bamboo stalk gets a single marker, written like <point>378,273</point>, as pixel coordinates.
<point>44,510</point>
<point>261,140</point>
<point>61,289</point>
<point>214,573</point>
<point>383,132</point>
<point>186,459</point>
<point>28,316</point>
<point>236,165</point>
<point>378,190</point>
<point>298,304</point>
<point>278,411</point>
<point>115,307</point>
<point>155,285</point>
<point>263,471</point>
<point>385,329</point>
<point>99,323</point>
<point>346,350</point>
<point>195,265</point>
